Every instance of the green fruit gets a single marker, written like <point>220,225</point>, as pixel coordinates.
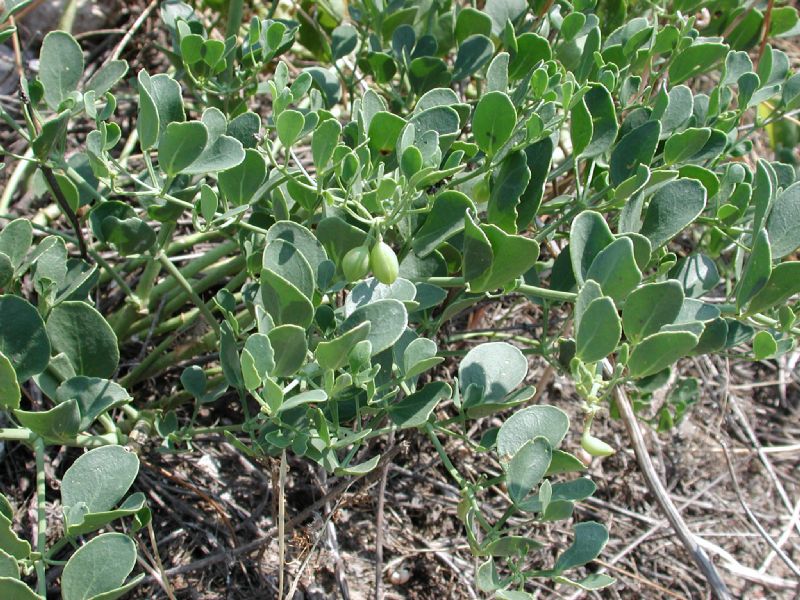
<point>355,263</point>
<point>384,264</point>
<point>595,446</point>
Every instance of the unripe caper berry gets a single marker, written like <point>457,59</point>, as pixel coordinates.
<point>355,263</point>
<point>595,446</point>
<point>384,263</point>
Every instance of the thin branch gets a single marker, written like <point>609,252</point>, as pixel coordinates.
<point>662,497</point>
<point>765,35</point>
<point>55,189</point>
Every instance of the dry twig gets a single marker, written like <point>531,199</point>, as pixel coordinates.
<point>752,518</point>
<point>686,537</point>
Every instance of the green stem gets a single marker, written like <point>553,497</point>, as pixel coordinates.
<point>55,549</point>
<point>192,269</point>
<point>179,320</point>
<point>173,270</point>
<point>17,434</point>
<point>235,11</point>
<point>41,516</point>
<point>157,361</point>
<point>215,275</point>
<point>176,247</point>
<point>528,290</point>
<point>193,431</point>
<point>122,320</point>
<point>17,175</point>
<point>23,434</point>
<point>448,465</point>
<point>112,272</point>
<point>457,477</point>
<point>767,322</point>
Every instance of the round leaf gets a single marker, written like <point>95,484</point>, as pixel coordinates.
<point>99,479</point>
<point>784,234</point>
<point>493,122</point>
<point>615,269</point>
<point>23,339</point>
<point>181,145</point>
<point>240,183</point>
<point>599,331</point>
<point>99,566</point>
<point>9,388</point>
<point>80,332</point>
<point>415,410</point>
<point>527,467</point>
<point>650,307</point>
<point>590,539</point>
<point>286,260</point>
<point>659,351</point>
<point>12,588</point>
<point>15,240</point>
<point>93,395</point>
<point>290,346</point>
<point>61,66</point>
<point>697,58</point>
<point>588,235</point>
<point>388,320</point>
<point>529,423</point>
<point>289,124</point>
<point>673,207</point>
<point>496,368</point>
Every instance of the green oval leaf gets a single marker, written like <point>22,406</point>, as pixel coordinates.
<point>415,409</point>
<point>98,567</point>
<point>94,396</point>
<point>290,346</point>
<point>615,269</point>
<point>180,146</point>
<point>588,235</point>
<point>9,387</point>
<point>284,302</point>
<point>15,240</point>
<point>496,368</point>
<point>697,58</point>
<point>388,318</point>
<point>756,271</point>
<point>529,423</point>
<point>59,424</point>
<point>240,183</point>
<point>590,539</point>
<point>599,331</point>
<point>783,283</point>
<point>333,354</point>
<point>23,338</point>
<point>13,589</point>
<point>493,122</point>
<point>61,67</point>
<point>784,234</point>
<point>289,125</point>
<point>650,307</point>
<point>99,479</point>
<point>80,332</point>
<point>636,148</point>
<point>659,351</point>
<point>527,467</point>
<point>445,219</point>
<point>674,206</point>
